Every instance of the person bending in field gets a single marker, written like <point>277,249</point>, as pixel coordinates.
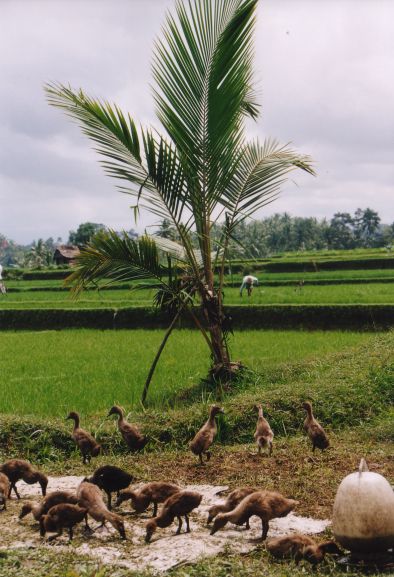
<point>2,285</point>
<point>248,282</point>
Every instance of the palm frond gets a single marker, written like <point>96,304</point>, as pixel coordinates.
<point>150,165</point>
<point>118,258</point>
<point>261,171</point>
<point>204,76</point>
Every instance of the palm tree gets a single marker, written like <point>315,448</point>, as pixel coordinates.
<point>199,171</point>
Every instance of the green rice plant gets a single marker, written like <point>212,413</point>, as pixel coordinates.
<point>49,373</point>
<point>371,293</point>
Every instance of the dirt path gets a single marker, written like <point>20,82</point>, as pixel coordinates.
<point>165,551</point>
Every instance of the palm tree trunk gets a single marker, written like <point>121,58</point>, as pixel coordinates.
<point>214,315</point>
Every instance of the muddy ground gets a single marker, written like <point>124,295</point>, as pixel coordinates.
<point>165,551</point>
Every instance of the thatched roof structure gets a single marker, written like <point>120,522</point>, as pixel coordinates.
<point>65,254</point>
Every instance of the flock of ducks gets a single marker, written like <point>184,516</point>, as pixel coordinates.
<point>60,510</point>
<point>202,441</point>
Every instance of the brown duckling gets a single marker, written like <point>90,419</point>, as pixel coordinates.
<point>300,547</point>
<point>204,438</point>
<point>86,443</point>
<point>263,435</point>
<point>155,492</point>
<point>91,498</point>
<point>52,499</point>
<point>130,433</point>
<point>233,499</point>
<point>314,430</point>
<point>4,490</point>
<point>178,505</point>
<point>264,504</point>
<point>17,469</point>
<point>59,517</point>
<point>110,479</point>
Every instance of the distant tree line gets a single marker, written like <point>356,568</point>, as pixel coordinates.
<point>285,233</point>
<point>257,238</point>
<point>39,253</point>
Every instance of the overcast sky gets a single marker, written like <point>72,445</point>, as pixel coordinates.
<point>325,73</point>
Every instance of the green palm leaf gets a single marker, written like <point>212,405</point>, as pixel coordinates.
<point>204,77</point>
<point>118,258</point>
<point>261,171</point>
<point>151,165</point>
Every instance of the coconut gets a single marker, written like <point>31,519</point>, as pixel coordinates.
<point>363,516</point>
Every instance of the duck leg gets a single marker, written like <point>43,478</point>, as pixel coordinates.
<point>208,454</point>
<point>179,525</point>
<point>70,533</point>
<point>53,537</point>
<point>264,527</point>
<point>187,524</point>
<point>154,509</point>
<point>109,501</point>
<point>88,529</point>
<point>200,457</point>
<point>13,486</point>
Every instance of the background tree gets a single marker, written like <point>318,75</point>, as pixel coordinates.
<point>367,225</point>
<point>341,231</point>
<point>84,233</point>
<point>167,230</point>
<point>200,169</point>
<point>40,254</point>
<point>11,253</point>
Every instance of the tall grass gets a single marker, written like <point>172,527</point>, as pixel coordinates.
<point>52,372</point>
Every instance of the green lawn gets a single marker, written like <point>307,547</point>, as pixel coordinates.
<point>49,373</point>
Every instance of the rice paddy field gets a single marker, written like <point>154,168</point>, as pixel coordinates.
<point>367,274</point>
<point>47,373</point>
<point>376,293</point>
